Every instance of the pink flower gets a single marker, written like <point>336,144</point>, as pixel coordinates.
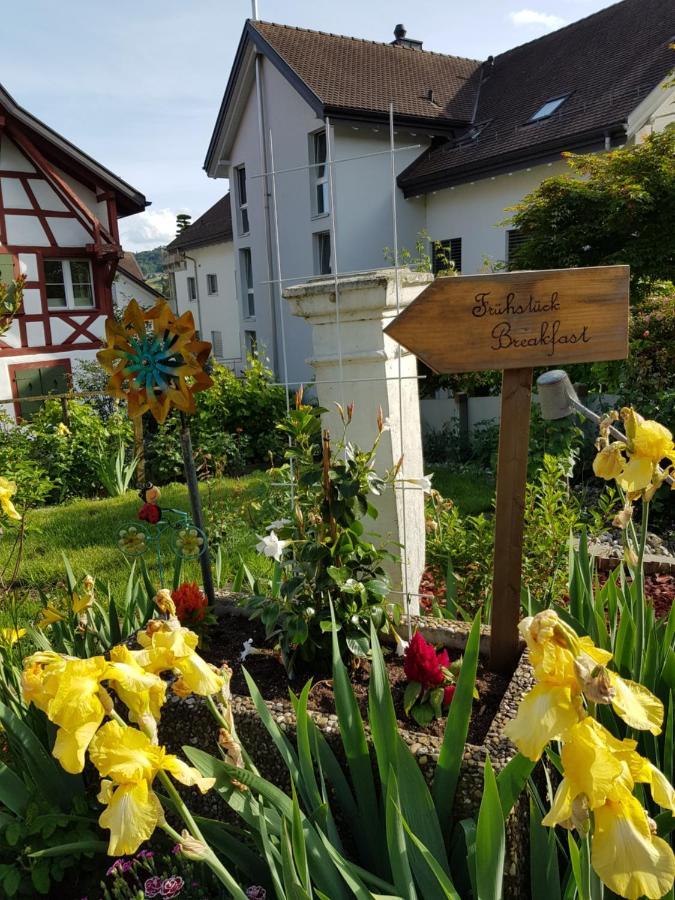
<point>152,886</point>
<point>423,664</point>
<point>255,892</point>
<point>171,886</point>
<point>117,866</point>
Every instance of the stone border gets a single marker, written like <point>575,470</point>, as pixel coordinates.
<point>654,564</point>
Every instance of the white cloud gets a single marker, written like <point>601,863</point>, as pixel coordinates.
<point>527,17</point>
<point>149,229</point>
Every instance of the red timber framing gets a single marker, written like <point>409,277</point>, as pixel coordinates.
<point>103,251</point>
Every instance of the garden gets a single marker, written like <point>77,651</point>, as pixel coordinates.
<point>210,686</point>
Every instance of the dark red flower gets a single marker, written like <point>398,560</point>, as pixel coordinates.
<point>448,694</point>
<point>150,512</point>
<point>152,886</point>
<point>423,664</point>
<point>191,602</point>
<point>171,887</point>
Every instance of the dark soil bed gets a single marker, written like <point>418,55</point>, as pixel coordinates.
<point>224,643</point>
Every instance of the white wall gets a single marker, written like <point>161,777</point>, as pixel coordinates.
<point>363,202</point>
<point>213,312</point>
<point>473,212</point>
<point>124,290</point>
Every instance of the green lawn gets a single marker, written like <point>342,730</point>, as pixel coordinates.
<point>472,492</point>
<point>86,532</point>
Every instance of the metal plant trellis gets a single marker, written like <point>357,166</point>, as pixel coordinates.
<point>175,529</point>
<point>157,363</point>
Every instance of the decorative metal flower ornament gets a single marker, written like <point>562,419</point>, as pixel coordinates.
<point>155,360</point>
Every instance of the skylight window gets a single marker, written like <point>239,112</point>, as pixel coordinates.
<point>548,108</point>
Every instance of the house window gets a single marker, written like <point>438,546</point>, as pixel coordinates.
<point>211,284</point>
<point>514,238</point>
<point>251,343</point>
<point>447,255</point>
<point>548,108</point>
<point>217,344</point>
<point>192,287</point>
<point>241,200</point>
<point>322,253</point>
<point>68,283</point>
<point>319,173</point>
<point>246,274</point>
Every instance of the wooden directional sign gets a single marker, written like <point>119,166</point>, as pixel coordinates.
<point>518,319</point>
<point>515,321</point>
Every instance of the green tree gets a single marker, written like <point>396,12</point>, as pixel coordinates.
<point>616,207</point>
<point>183,221</point>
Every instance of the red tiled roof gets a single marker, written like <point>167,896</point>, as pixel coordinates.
<point>213,226</point>
<point>130,265</point>
<point>352,74</point>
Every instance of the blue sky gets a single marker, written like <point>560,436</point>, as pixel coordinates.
<point>137,83</point>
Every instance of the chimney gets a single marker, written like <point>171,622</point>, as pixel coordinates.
<point>400,39</point>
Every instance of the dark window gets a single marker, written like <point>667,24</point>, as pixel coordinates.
<point>251,342</point>
<point>514,238</point>
<point>242,200</point>
<point>547,109</point>
<point>191,288</point>
<point>322,253</point>
<point>447,254</point>
<point>319,173</point>
<point>211,284</point>
<point>246,275</point>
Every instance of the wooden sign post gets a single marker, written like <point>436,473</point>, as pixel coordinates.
<point>516,321</point>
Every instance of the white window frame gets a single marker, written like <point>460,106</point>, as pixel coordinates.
<point>209,290</point>
<point>68,284</point>
<point>318,176</point>
<point>318,237</point>
<point>247,288</point>
<point>242,206</point>
<point>217,344</point>
<point>191,288</point>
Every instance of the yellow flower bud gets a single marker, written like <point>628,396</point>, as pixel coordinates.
<point>609,462</point>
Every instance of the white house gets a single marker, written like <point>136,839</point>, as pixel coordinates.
<point>58,226</point>
<point>130,284</point>
<point>200,262</point>
<point>472,137</point>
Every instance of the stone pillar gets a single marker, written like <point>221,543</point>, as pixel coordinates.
<point>368,376</point>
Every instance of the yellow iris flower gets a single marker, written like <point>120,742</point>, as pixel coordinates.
<point>10,636</point>
<point>129,762</point>
<point>168,646</point>
<point>68,691</point>
<point>7,491</point>
<point>628,858</point>
<point>635,465</point>
<point>48,616</point>
<point>567,668</point>
<point>143,693</point>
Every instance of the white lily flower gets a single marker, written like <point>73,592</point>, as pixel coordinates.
<point>278,523</point>
<point>401,646</point>
<point>424,482</point>
<point>271,546</point>
<point>247,651</point>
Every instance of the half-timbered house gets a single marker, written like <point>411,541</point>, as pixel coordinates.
<point>59,210</point>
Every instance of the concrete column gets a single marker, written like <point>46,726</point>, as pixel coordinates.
<point>359,364</point>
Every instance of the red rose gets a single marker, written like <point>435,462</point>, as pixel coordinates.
<point>150,512</point>
<point>423,664</point>
<point>191,602</point>
<point>448,694</point>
